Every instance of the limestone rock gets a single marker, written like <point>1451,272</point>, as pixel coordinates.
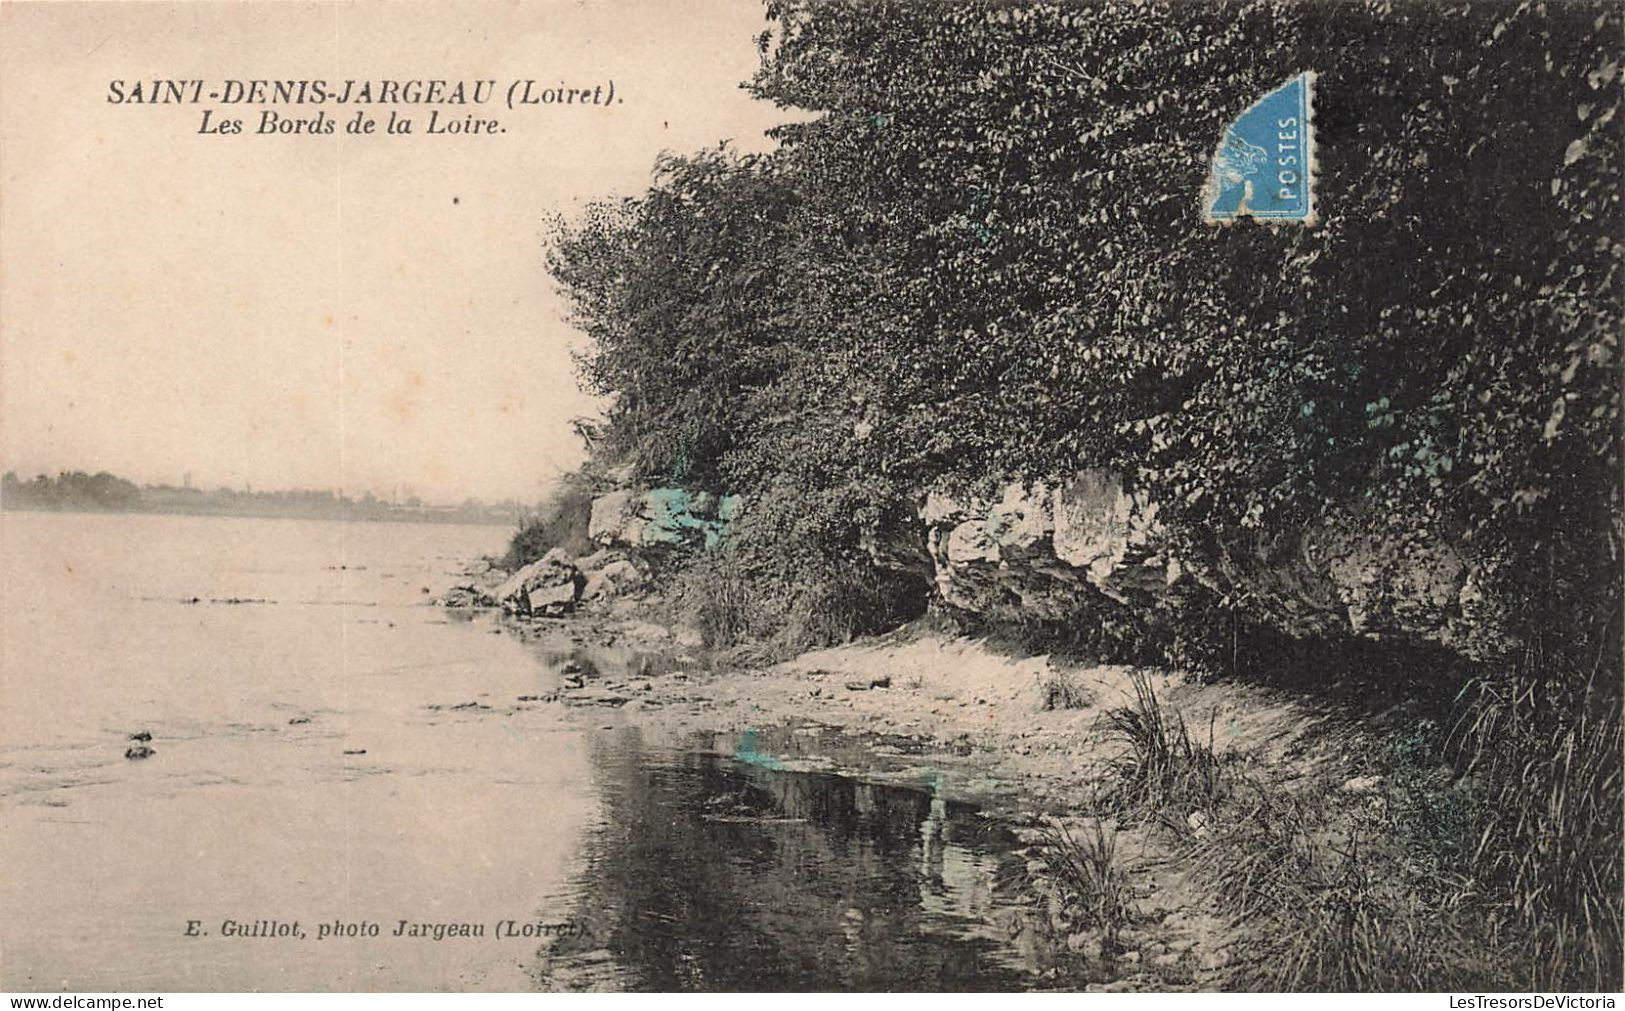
<point>1020,521</point>
<point>1391,585</point>
<point>612,516</point>
<point>550,585</point>
<point>1049,551</point>
<point>1043,552</point>
<point>466,596</point>
<point>611,576</point>
<point>969,542</point>
<point>1092,523</point>
<point>660,517</point>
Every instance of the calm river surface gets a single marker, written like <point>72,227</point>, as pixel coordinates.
<point>310,766</point>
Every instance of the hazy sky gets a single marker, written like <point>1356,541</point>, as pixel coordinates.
<point>365,312</point>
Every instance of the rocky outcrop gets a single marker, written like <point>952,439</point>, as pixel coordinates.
<point>660,518</point>
<point>556,584</point>
<point>1055,551</point>
<point>1042,552</point>
<point>610,574</point>
<point>1046,552</point>
<point>549,586</point>
<point>1343,576</point>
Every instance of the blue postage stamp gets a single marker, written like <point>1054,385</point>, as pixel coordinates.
<point>1264,166</point>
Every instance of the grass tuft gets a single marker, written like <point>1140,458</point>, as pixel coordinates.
<point>1317,904</point>
<point>1544,768</point>
<point>1087,886</point>
<point>1060,690</point>
<point>1161,767</point>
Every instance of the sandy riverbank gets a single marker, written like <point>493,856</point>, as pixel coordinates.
<point>1027,737</point>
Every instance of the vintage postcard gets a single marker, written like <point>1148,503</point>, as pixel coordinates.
<point>811,495</point>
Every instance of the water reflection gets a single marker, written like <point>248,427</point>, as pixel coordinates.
<point>725,873</point>
<point>612,660</point>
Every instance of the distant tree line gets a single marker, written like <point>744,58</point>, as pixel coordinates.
<point>69,490</point>
<point>104,492</point>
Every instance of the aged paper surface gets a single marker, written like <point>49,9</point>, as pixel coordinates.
<point>192,301</point>
<point>592,495</point>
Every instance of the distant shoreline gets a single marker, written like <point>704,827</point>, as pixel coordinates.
<point>396,515</point>
<point>77,491</point>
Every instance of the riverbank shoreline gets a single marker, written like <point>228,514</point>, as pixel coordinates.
<point>1030,739</point>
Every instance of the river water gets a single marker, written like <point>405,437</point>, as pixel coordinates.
<point>332,754</point>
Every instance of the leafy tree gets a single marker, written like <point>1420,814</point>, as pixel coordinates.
<point>676,290</point>
<point>983,257</point>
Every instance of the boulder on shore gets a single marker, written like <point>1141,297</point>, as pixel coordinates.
<point>610,574</point>
<point>550,586</point>
<point>466,596</point>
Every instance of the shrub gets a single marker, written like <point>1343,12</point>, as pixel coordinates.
<point>734,596</point>
<point>715,595</point>
<point>561,522</point>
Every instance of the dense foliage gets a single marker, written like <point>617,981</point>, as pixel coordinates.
<point>984,257</point>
